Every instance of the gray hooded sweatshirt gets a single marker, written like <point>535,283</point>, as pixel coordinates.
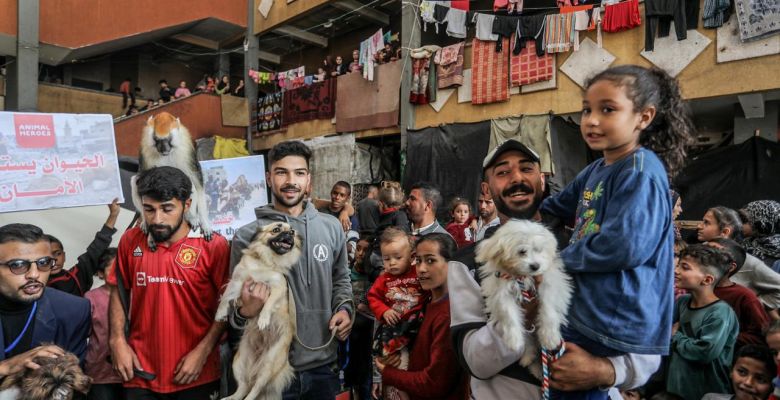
<point>320,282</point>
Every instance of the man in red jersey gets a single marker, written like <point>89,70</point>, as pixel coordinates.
<point>171,350</point>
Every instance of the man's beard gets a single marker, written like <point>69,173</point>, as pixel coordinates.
<point>166,231</point>
<point>528,212</point>
<point>484,214</point>
<point>289,203</point>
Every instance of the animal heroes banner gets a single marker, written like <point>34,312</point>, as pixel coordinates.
<point>56,161</point>
<point>234,188</point>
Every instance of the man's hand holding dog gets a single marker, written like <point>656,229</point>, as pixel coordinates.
<point>124,359</point>
<point>25,360</point>
<point>579,370</point>
<point>342,324</point>
<point>391,317</point>
<point>253,298</point>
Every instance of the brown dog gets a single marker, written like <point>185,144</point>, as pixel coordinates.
<point>56,379</point>
<point>261,367</point>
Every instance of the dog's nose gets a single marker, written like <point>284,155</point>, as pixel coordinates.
<point>534,266</point>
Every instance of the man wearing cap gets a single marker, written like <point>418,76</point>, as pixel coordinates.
<point>513,178</point>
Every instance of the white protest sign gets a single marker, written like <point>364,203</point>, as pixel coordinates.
<point>57,160</point>
<point>234,188</point>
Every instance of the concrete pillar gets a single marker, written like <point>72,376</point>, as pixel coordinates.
<point>223,66</point>
<point>251,61</point>
<point>22,91</point>
<point>410,39</point>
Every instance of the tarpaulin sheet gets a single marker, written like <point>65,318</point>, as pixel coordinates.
<point>570,153</point>
<point>331,162</point>
<point>731,176</point>
<point>450,157</point>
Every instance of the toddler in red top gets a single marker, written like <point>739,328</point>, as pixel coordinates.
<point>396,298</point>
<point>462,228</point>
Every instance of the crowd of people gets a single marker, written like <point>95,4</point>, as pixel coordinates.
<point>207,84</point>
<point>335,66</point>
<point>655,313</point>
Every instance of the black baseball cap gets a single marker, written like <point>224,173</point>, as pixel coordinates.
<point>511,144</point>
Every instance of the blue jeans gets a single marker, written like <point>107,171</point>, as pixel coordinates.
<point>595,348</point>
<point>319,383</point>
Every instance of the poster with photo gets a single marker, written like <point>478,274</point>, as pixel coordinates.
<point>234,188</point>
<point>57,160</point>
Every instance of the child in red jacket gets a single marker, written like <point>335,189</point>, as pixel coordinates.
<point>461,227</point>
<point>396,298</point>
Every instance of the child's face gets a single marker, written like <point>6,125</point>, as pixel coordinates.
<point>396,256</point>
<point>773,340</point>
<point>431,266</point>
<point>688,274</point>
<point>460,214</point>
<point>751,379</point>
<point>360,251</point>
<point>609,122</point>
<point>708,229</point>
<point>182,84</point>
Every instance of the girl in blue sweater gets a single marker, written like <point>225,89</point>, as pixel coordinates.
<point>620,254</point>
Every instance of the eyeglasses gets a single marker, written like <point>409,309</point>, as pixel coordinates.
<point>19,267</point>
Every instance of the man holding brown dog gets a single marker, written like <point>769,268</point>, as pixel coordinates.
<point>31,313</point>
<point>319,282</point>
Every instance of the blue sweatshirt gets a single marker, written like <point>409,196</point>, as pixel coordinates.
<point>621,253</point>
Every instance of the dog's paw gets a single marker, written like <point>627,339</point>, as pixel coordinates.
<point>530,355</point>
<point>222,312</point>
<point>263,320</point>
<point>513,339</point>
<point>535,368</point>
<point>549,337</point>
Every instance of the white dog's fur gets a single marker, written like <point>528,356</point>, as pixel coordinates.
<point>514,250</point>
<point>261,366</point>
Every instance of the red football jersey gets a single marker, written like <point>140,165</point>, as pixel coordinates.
<point>174,293</point>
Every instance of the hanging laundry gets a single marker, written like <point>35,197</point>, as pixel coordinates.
<point>596,23</point>
<point>504,27</point>
<point>531,28</point>
<point>421,65</point>
<point>527,67</point>
<point>269,112</point>
<point>490,72</point>
<point>440,11</point>
<point>460,4</point>
<point>621,16</point>
<point>449,65</point>
<point>456,23</point>
<point>659,15</point>
<point>692,14</point>
<point>581,23</point>
<point>559,33</point>
<point>426,14</point>
<point>500,4</point>
<point>484,24</point>
<point>317,101</point>
<point>717,12</point>
<point>373,45</point>
<point>756,21</point>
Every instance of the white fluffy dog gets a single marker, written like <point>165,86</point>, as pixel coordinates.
<point>518,251</point>
<point>261,366</point>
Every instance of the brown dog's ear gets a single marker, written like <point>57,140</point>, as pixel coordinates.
<point>82,383</point>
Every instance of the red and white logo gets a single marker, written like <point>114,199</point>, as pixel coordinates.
<point>140,278</point>
<point>34,131</point>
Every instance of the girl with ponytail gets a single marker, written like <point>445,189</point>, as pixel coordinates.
<point>620,255</point>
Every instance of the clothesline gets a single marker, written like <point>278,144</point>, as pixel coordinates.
<point>492,11</point>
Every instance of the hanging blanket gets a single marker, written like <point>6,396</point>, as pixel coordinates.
<point>420,70</point>
<point>367,105</point>
<point>527,68</point>
<point>269,112</point>
<point>490,72</point>
<point>449,65</point>
<point>757,18</point>
<point>317,101</point>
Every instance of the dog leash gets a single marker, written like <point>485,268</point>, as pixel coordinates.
<point>295,333</point>
<point>549,357</point>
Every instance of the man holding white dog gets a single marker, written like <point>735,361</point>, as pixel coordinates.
<point>320,282</point>
<point>513,179</point>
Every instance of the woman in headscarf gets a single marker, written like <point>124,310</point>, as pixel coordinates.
<point>761,228</point>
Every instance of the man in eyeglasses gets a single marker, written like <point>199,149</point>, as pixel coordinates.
<point>31,314</point>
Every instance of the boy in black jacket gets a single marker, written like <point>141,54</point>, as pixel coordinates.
<point>78,280</point>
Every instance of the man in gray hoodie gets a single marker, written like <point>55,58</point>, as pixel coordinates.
<point>320,282</point>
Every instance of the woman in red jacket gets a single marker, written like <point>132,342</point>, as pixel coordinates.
<point>434,372</point>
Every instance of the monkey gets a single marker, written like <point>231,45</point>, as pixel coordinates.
<point>166,142</point>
